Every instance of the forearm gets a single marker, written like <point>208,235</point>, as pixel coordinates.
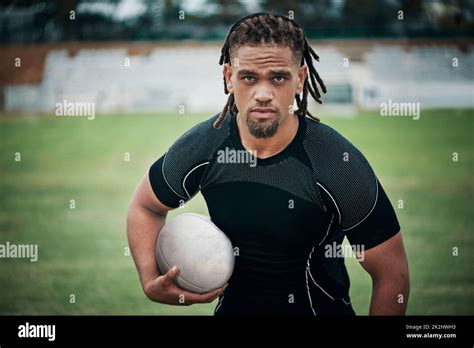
<point>143,227</point>
<point>389,295</point>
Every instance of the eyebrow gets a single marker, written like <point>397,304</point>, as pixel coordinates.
<point>246,72</point>
<point>279,72</point>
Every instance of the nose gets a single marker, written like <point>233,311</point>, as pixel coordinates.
<point>263,95</point>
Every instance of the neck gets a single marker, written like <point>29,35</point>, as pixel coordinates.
<point>268,147</point>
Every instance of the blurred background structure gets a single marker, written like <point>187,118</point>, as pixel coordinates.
<point>135,55</point>
<point>150,69</point>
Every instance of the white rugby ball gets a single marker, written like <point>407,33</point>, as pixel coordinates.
<point>199,248</point>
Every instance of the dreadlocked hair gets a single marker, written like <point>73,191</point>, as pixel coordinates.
<point>270,28</point>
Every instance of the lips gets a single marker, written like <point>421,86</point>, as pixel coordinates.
<point>262,112</point>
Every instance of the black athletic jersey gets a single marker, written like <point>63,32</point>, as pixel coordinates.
<point>286,215</point>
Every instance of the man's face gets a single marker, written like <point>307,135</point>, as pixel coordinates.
<point>264,80</point>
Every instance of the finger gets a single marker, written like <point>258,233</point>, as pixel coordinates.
<point>214,297</point>
<point>170,276</point>
<point>199,298</point>
<point>175,289</point>
<point>191,297</point>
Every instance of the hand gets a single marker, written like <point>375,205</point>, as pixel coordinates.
<point>164,290</point>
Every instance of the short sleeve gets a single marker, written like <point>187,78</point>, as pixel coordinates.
<point>377,226</point>
<point>347,179</point>
<point>167,188</point>
<point>176,176</point>
<point>174,184</point>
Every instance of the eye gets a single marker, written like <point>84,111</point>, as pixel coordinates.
<point>249,78</point>
<point>279,79</point>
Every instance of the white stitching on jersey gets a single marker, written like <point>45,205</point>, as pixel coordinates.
<point>327,232</point>
<point>373,207</point>
<point>164,177</point>
<point>322,199</point>
<point>308,265</point>
<point>219,304</point>
<point>346,303</point>
<point>309,271</point>
<point>334,201</point>
<point>184,180</point>
<point>307,290</point>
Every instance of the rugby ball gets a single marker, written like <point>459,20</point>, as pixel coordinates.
<point>199,248</point>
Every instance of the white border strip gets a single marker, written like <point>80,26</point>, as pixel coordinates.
<point>339,211</point>
<point>307,290</point>
<point>164,177</point>
<point>309,271</point>
<point>334,201</point>
<point>327,232</point>
<point>184,180</point>
<point>373,207</point>
<point>219,304</point>
<point>345,302</point>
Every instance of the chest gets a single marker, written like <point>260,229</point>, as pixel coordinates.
<point>265,217</point>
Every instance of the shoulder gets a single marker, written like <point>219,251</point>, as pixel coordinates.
<point>322,136</point>
<point>327,148</point>
<point>177,174</point>
<point>342,172</point>
<point>195,148</point>
<point>203,135</point>
<point>200,142</point>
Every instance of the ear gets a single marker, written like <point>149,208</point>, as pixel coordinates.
<point>302,74</point>
<point>228,76</point>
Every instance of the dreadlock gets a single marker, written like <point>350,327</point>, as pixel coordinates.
<point>273,29</point>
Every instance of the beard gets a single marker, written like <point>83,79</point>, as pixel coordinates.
<point>262,128</point>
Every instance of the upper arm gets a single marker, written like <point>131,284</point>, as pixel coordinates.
<point>386,259</point>
<point>144,197</point>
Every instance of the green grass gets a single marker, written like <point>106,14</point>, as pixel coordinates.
<point>81,250</point>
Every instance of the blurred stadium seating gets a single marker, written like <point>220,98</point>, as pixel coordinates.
<point>166,77</point>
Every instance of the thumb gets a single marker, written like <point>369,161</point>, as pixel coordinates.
<point>171,274</point>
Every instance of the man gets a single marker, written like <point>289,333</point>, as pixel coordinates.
<point>288,213</point>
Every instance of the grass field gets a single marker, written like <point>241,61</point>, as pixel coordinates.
<point>82,250</point>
